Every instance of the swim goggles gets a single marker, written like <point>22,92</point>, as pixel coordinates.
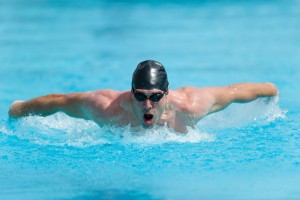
<point>156,97</point>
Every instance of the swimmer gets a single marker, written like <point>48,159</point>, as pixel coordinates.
<point>148,103</point>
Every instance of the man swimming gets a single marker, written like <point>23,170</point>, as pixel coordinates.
<point>149,103</point>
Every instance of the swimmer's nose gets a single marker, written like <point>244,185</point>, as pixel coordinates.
<point>148,104</point>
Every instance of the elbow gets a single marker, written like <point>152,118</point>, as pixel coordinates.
<point>17,109</point>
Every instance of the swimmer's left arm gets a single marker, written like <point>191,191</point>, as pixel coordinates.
<point>239,93</point>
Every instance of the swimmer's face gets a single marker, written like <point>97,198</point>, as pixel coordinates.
<point>148,105</point>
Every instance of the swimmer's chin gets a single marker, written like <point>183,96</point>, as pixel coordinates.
<point>148,126</point>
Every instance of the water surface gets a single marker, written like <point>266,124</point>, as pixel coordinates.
<point>248,151</point>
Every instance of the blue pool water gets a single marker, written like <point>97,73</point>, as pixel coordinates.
<point>248,151</point>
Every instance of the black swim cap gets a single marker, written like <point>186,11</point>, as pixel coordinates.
<point>149,75</point>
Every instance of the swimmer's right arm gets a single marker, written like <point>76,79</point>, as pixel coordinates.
<point>71,104</point>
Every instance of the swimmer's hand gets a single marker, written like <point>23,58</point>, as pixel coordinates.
<point>18,109</point>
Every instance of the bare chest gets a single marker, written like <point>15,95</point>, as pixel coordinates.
<point>177,120</point>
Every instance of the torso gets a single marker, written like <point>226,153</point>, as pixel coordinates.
<point>181,112</point>
<point>117,110</point>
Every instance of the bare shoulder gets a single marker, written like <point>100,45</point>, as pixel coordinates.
<point>190,89</point>
<point>190,93</point>
<point>102,94</point>
<point>99,105</point>
<point>108,95</point>
<point>191,99</point>
<point>101,98</point>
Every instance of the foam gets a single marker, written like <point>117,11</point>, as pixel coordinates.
<point>62,130</point>
<point>262,111</point>
<point>160,135</point>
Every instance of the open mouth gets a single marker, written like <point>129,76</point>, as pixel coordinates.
<point>148,118</point>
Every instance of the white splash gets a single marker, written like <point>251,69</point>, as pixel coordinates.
<point>62,130</point>
<point>160,135</point>
<point>261,111</point>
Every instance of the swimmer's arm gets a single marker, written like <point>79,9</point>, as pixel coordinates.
<point>239,93</point>
<point>71,104</point>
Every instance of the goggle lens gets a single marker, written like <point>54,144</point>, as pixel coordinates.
<point>154,97</point>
